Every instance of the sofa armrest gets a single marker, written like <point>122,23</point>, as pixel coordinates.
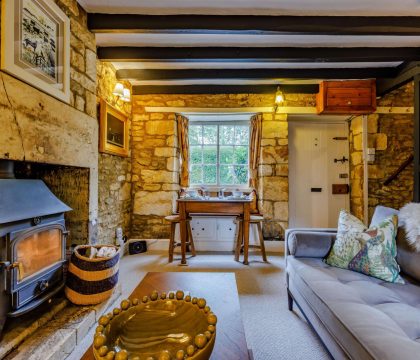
<point>309,242</point>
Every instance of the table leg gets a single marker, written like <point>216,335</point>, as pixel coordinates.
<point>247,216</point>
<point>183,231</point>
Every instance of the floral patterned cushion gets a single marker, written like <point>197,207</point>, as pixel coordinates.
<point>368,251</point>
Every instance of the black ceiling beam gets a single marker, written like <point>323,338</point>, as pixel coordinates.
<point>405,73</point>
<point>225,89</point>
<point>272,74</point>
<point>227,24</point>
<point>286,54</point>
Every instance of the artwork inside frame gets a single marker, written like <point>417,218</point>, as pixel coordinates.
<point>113,130</point>
<point>35,45</point>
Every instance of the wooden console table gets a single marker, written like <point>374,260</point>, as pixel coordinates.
<point>221,293</point>
<point>226,206</point>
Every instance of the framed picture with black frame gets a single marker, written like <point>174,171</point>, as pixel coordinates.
<point>35,45</point>
<point>113,130</point>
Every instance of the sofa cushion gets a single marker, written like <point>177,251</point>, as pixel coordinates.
<point>370,251</point>
<point>407,258</point>
<point>381,213</point>
<point>368,317</point>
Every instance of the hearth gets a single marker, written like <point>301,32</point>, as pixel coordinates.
<point>32,243</point>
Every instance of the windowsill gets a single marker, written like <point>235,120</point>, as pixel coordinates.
<point>214,188</point>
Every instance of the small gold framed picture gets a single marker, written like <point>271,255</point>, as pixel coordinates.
<point>113,131</point>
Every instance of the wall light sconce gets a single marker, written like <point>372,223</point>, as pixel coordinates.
<point>279,99</point>
<point>122,93</point>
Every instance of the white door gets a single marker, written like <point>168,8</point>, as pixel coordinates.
<point>318,159</point>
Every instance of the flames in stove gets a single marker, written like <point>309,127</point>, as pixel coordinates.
<point>32,243</point>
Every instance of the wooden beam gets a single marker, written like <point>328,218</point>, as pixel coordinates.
<point>248,24</point>
<point>224,89</point>
<point>211,110</point>
<point>405,73</point>
<point>286,54</point>
<point>272,74</point>
<point>394,110</point>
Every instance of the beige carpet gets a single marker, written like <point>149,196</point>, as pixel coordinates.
<point>272,332</point>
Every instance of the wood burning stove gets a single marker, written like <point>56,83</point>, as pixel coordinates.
<point>32,243</point>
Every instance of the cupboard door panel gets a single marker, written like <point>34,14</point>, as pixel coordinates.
<point>226,229</point>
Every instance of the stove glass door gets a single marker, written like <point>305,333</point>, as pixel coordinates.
<point>38,251</point>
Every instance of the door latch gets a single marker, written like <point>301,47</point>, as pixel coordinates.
<point>342,160</point>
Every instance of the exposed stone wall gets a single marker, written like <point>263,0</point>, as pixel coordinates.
<point>394,141</point>
<point>155,159</point>
<point>82,58</point>
<point>375,140</point>
<point>114,171</point>
<point>39,128</point>
<point>392,137</point>
<point>70,185</point>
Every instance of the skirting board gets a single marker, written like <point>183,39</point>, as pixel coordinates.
<point>163,244</point>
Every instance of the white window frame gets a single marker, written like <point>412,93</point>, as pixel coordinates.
<point>217,186</point>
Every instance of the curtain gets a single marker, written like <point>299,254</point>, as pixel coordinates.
<point>184,149</point>
<point>254,149</point>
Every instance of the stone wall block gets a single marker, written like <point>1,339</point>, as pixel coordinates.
<point>83,80</point>
<point>358,142</point>
<point>158,176</point>
<point>83,34</point>
<point>281,211</point>
<point>172,164</point>
<point>267,116</point>
<point>356,158</point>
<point>268,142</point>
<point>77,60</point>
<point>282,170</point>
<point>90,64</point>
<point>165,151</point>
<point>275,188</point>
<point>91,108</point>
<point>267,210</point>
<point>159,127</point>
<point>154,203</point>
<point>274,129</point>
<point>265,170</point>
<point>274,154</point>
<point>175,103</point>
<point>79,103</point>
<point>381,141</point>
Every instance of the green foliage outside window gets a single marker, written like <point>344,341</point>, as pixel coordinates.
<point>219,154</point>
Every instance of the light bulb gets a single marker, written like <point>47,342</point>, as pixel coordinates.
<point>127,95</point>
<point>119,90</point>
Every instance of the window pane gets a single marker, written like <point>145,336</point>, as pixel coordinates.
<point>226,154</point>
<point>210,134</point>
<point>241,135</point>
<point>209,154</point>
<point>194,134</point>
<point>226,175</point>
<point>227,134</point>
<point>241,175</point>
<point>196,155</point>
<point>240,155</point>
<point>209,174</point>
<point>196,174</point>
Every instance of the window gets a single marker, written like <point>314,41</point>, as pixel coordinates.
<point>219,153</point>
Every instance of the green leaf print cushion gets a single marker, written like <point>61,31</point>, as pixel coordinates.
<point>368,251</point>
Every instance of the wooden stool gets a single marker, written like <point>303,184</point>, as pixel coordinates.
<point>175,219</point>
<point>240,246</point>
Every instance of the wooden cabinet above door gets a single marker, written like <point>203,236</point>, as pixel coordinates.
<point>346,97</point>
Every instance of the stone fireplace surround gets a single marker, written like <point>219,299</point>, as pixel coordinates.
<point>59,143</point>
